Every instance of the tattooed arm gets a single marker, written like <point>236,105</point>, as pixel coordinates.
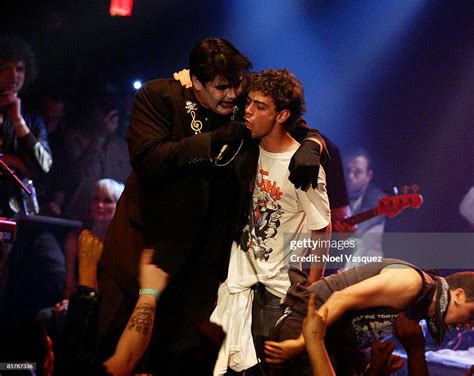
<point>136,335</point>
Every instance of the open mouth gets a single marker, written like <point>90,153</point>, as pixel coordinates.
<point>227,104</point>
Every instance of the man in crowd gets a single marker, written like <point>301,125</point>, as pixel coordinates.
<point>279,216</point>
<point>364,195</point>
<point>24,138</point>
<point>362,304</point>
<point>183,199</point>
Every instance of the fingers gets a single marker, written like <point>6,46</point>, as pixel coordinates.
<point>273,361</point>
<point>84,237</point>
<point>395,363</point>
<point>324,314</point>
<point>147,256</point>
<point>274,354</point>
<point>88,242</point>
<point>272,348</point>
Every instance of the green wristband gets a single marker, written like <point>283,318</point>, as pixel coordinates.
<point>153,292</point>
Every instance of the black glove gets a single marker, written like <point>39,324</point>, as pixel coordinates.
<point>304,165</point>
<point>227,134</point>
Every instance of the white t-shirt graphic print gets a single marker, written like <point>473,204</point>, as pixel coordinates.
<point>281,214</point>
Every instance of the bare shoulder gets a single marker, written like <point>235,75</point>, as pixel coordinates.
<point>404,280</point>
<point>401,271</point>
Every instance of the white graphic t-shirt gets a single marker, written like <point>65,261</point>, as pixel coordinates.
<point>281,214</point>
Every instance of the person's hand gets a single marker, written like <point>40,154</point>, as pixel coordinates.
<point>343,228</point>
<point>89,252</point>
<point>382,361</point>
<point>89,249</point>
<point>314,325</point>
<point>304,165</point>
<point>151,277</point>
<point>280,352</point>
<point>12,104</point>
<point>395,363</point>
<point>470,371</point>
<point>409,333</point>
<point>228,133</point>
<point>184,78</point>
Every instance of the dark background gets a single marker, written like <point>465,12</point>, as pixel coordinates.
<point>394,76</point>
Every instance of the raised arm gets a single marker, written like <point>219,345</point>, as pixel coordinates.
<point>137,334</point>
<point>410,335</point>
<point>314,330</point>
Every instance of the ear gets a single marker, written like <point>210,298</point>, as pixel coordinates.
<point>459,295</point>
<point>370,173</point>
<point>283,116</point>
<point>196,83</point>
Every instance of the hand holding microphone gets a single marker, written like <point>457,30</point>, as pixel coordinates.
<point>228,133</point>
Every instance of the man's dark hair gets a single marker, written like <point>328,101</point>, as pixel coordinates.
<point>463,280</point>
<point>215,57</point>
<point>360,152</point>
<point>13,48</point>
<point>285,90</point>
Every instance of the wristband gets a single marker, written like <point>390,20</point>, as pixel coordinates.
<point>153,292</point>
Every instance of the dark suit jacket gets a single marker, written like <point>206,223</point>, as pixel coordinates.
<point>169,197</point>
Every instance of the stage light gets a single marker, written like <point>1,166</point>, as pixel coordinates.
<point>121,7</point>
<point>137,84</point>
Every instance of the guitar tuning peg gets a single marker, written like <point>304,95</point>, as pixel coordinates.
<point>392,191</point>
<point>415,188</point>
<point>405,189</point>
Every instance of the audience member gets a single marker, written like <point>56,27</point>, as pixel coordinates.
<point>410,335</point>
<point>24,138</point>
<point>102,203</point>
<point>51,106</point>
<point>364,195</point>
<point>94,150</point>
<point>77,347</point>
<point>382,361</point>
<point>363,303</point>
<point>314,332</point>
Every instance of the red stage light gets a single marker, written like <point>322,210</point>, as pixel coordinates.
<point>121,7</point>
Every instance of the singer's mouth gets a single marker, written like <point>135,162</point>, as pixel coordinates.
<point>248,124</point>
<point>227,104</point>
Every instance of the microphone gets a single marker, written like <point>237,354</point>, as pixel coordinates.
<point>223,150</point>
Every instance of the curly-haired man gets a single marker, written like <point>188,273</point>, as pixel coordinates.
<point>249,301</point>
